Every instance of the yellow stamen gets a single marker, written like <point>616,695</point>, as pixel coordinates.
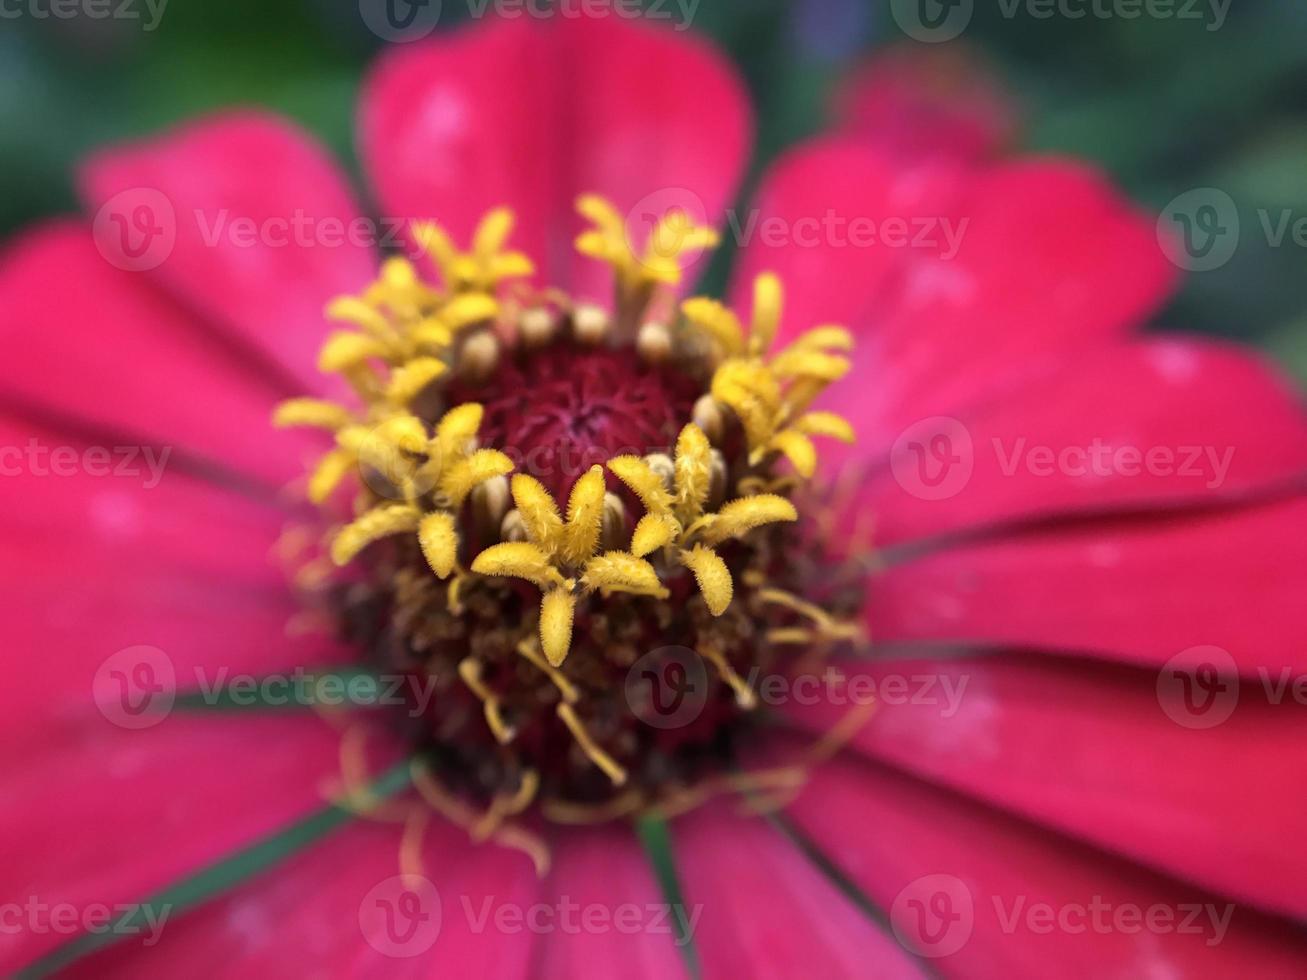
<point>744,695</point>
<point>565,687</point>
<point>469,669</point>
<point>593,752</point>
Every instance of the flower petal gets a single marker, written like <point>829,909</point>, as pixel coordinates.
<point>103,815</point>
<point>96,563</point>
<point>96,346</point>
<point>919,101</point>
<point>1138,590</point>
<point>649,118</point>
<point>818,221</point>
<point>267,230</point>
<point>1096,752</point>
<point>1147,424</point>
<point>1041,259</point>
<point>604,871</point>
<point>994,889</point>
<point>766,912</point>
<point>325,912</point>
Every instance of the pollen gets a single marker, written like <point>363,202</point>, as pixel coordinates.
<point>543,494</point>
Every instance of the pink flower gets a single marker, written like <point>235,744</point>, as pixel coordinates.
<point>1081,601</point>
<point>927,100</point>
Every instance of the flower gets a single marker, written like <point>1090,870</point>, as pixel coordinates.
<point>1057,563</point>
<point>927,101</point>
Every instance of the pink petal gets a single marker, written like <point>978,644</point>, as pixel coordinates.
<point>1110,755</point>
<point>820,221</point>
<point>104,816</point>
<point>96,564</point>
<point>530,114</point>
<point>323,913</point>
<point>623,926</point>
<point>966,886</point>
<point>920,101</point>
<point>765,911</point>
<point>1147,424</point>
<point>1138,590</point>
<point>94,344</point>
<point>266,228</point>
<point>1050,261</point>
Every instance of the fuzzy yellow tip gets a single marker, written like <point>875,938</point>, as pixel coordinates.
<point>712,576</point>
<point>557,608</point>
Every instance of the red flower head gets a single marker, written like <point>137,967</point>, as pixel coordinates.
<point>604,646</point>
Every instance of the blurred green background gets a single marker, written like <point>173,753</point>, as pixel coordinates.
<point>1165,105</point>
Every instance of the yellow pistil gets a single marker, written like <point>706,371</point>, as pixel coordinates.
<point>469,669</point>
<point>640,272</point>
<point>488,263</point>
<point>557,551</point>
<point>587,743</point>
<point>769,394</point>
<point>435,475</point>
<point>826,628</point>
<point>675,519</point>
<point>461,815</point>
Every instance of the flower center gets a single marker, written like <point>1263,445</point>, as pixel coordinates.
<point>579,532</point>
<point>560,410</point>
